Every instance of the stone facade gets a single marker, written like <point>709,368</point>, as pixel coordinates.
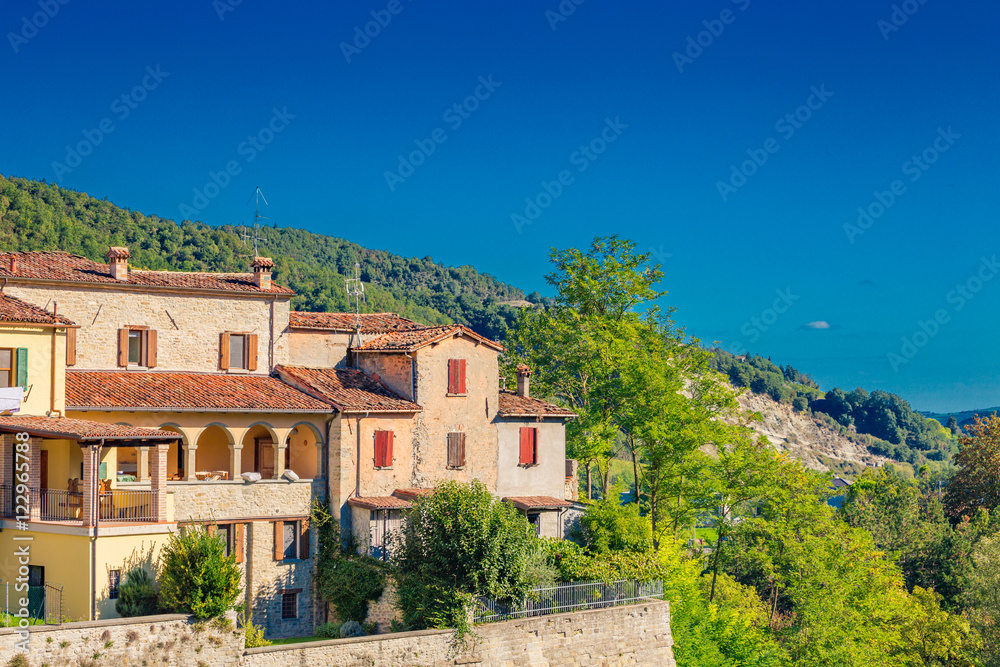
<point>318,349</point>
<point>207,501</point>
<point>631,635</point>
<point>267,579</point>
<point>188,327</point>
<point>171,640</point>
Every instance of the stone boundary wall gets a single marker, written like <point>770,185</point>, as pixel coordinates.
<point>170,640</point>
<point>628,635</point>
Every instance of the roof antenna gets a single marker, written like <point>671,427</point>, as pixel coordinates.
<point>356,290</point>
<point>257,217</point>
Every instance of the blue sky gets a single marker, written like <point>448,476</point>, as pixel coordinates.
<point>607,118</point>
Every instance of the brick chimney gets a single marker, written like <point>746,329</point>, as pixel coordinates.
<point>262,272</point>
<point>523,373</point>
<point>118,262</point>
<point>13,265</point>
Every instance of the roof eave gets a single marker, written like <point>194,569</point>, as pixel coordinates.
<point>141,408</point>
<point>134,286</point>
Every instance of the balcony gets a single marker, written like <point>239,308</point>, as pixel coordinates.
<point>63,506</point>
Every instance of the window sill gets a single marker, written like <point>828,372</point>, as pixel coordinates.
<point>383,467</point>
<point>458,395</point>
<point>461,467</point>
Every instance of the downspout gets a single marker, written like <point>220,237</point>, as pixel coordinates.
<point>96,492</point>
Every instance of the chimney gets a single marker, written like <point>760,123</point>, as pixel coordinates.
<point>262,272</point>
<point>523,373</point>
<point>13,265</point>
<point>118,262</point>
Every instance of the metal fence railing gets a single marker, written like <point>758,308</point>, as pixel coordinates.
<point>568,597</point>
<point>45,604</point>
<point>128,505</point>
<point>117,505</point>
<point>57,504</point>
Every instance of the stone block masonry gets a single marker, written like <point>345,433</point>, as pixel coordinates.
<point>628,635</point>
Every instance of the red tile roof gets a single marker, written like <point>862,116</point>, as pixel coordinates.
<point>346,389</point>
<point>408,341</point>
<point>80,429</point>
<point>537,502</point>
<point>195,392</point>
<point>15,310</point>
<point>379,503</point>
<point>64,267</point>
<point>512,405</point>
<point>370,322</point>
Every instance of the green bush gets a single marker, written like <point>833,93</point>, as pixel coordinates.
<point>349,583</point>
<point>351,629</point>
<point>329,630</point>
<point>253,635</point>
<point>196,575</point>
<point>607,525</point>
<point>137,595</point>
<point>577,564</point>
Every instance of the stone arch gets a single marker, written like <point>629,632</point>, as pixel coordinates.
<point>257,455</point>
<point>304,447</point>
<point>176,452</point>
<point>212,454</point>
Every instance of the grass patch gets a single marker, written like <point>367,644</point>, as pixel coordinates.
<point>297,640</point>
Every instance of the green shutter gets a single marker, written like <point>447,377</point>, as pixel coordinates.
<point>103,474</point>
<point>22,367</point>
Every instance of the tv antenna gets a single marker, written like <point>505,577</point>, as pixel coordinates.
<point>356,290</point>
<point>257,217</point>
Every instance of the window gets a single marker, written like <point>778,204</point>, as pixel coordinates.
<point>114,580</point>
<point>290,604</point>
<point>535,519</point>
<point>456,377</point>
<point>238,351</point>
<point>136,347</point>
<point>529,446</point>
<point>383,449</point>
<point>291,540</point>
<point>7,371</point>
<point>456,450</point>
<point>36,575</point>
<point>225,534</point>
<point>231,536</point>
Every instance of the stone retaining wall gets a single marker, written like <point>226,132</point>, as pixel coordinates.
<point>629,635</point>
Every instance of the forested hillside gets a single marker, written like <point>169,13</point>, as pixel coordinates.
<point>39,216</point>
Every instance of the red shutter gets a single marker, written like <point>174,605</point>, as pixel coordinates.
<point>151,349</point>
<point>252,352</point>
<point>383,449</point>
<point>304,540</point>
<point>123,348</point>
<point>279,547</point>
<point>453,376</point>
<point>461,376</point>
<point>389,437</point>
<point>527,446</point>
<point>224,352</point>
<point>70,346</point>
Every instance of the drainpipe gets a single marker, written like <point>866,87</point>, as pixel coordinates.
<point>270,347</point>
<point>95,454</point>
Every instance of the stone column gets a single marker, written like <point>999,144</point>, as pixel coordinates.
<point>142,473</point>
<point>235,461</point>
<point>279,458</point>
<point>190,461</point>
<point>34,479</point>
<point>87,484</point>
<point>158,481</point>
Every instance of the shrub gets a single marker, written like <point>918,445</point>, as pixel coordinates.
<point>328,630</point>
<point>576,564</point>
<point>137,595</point>
<point>607,525</point>
<point>349,583</point>
<point>253,635</point>
<point>351,629</point>
<point>196,575</point>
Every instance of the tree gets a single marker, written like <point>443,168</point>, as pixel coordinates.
<point>953,425</point>
<point>607,525</point>
<point>975,483</point>
<point>137,594</point>
<point>932,636</point>
<point>196,575</point>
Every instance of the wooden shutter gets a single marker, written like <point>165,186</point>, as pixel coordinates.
<point>383,449</point>
<point>279,534</point>
<point>211,529</point>
<point>151,349</point>
<point>22,367</point>
<point>453,376</point>
<point>461,376</point>
<point>224,358</point>
<point>304,539</point>
<point>528,454</point>
<point>389,437</point>
<point>251,353</point>
<point>70,346</point>
<point>239,541</point>
<point>123,348</point>
<point>456,450</point>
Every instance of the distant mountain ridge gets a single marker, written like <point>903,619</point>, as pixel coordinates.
<point>35,215</point>
<point>964,418</point>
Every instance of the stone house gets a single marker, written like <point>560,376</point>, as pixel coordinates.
<point>158,399</point>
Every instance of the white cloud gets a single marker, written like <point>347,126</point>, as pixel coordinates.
<point>818,324</point>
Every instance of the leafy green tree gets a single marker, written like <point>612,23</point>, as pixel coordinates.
<point>196,575</point>
<point>607,525</point>
<point>975,484</point>
<point>931,636</point>
<point>137,594</point>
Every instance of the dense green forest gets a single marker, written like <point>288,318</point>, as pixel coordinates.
<point>895,430</point>
<point>40,216</point>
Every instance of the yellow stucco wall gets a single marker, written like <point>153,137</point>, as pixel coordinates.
<point>38,341</point>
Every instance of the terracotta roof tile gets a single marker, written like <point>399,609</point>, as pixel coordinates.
<point>15,310</point>
<point>408,341</point>
<point>512,405</point>
<point>379,503</point>
<point>370,322</point>
<point>537,502</point>
<point>197,392</point>
<point>64,267</point>
<point>346,389</point>
<point>80,429</point>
